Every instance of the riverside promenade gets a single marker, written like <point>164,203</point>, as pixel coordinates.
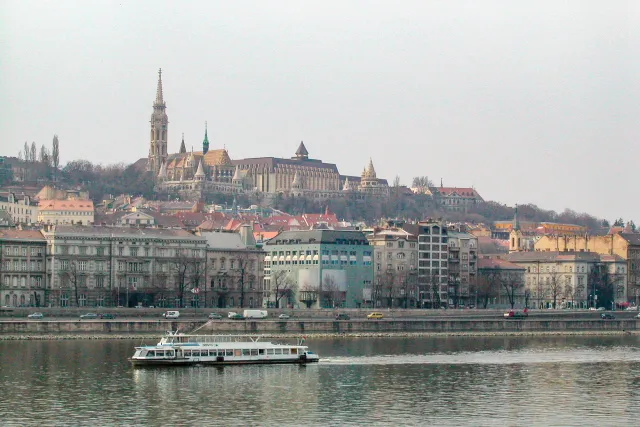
<point>133,322</point>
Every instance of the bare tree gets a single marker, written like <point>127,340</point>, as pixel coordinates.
<point>554,285</point>
<point>386,287</point>
<point>308,294</point>
<point>244,276</point>
<point>282,285</point>
<point>488,285</point>
<point>511,282</point>
<point>197,276</point>
<point>331,291</point>
<point>71,277</point>
<point>407,285</point>
<point>433,285</point>
<point>181,268</point>
<point>422,183</point>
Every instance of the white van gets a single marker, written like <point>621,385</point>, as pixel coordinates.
<point>255,314</point>
<point>171,314</point>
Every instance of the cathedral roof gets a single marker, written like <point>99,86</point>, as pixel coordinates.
<point>236,174</point>
<point>273,162</point>
<point>369,172</point>
<point>302,150</point>
<point>200,171</point>
<point>217,158</point>
<point>183,149</point>
<point>159,96</point>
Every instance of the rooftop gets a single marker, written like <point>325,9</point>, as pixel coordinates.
<point>319,236</point>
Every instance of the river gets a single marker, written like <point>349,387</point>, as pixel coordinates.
<point>534,381</point>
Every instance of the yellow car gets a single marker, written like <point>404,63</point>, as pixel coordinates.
<point>375,315</point>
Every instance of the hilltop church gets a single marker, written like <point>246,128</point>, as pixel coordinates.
<point>196,173</point>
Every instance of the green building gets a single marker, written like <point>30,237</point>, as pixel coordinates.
<point>318,269</point>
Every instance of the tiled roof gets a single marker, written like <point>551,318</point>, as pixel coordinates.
<point>62,205</point>
<point>551,256</point>
<point>272,162</point>
<point>21,235</point>
<point>104,231</point>
<point>497,263</point>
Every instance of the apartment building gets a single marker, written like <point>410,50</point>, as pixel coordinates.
<point>22,263</point>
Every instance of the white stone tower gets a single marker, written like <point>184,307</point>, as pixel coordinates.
<point>159,130</point>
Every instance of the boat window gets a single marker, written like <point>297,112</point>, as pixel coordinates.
<point>187,353</point>
<point>294,351</point>
<point>143,353</point>
<point>196,353</point>
<point>270,351</point>
<point>254,351</point>
<point>238,353</point>
<point>229,352</point>
<point>261,351</point>
<point>278,351</point>
<point>246,352</point>
<point>285,351</point>
<point>152,353</point>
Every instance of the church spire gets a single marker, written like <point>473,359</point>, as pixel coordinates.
<point>205,142</point>
<point>159,97</point>
<point>183,149</point>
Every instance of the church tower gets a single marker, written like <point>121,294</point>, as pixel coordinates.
<point>516,238</point>
<point>159,130</point>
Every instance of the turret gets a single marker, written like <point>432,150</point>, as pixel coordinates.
<point>205,142</point>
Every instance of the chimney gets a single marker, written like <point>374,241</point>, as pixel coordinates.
<point>246,235</point>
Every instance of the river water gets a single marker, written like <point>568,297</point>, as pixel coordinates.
<point>534,381</point>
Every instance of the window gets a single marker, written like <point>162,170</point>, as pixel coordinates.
<point>120,251</point>
<point>133,251</point>
<point>82,300</point>
<point>83,250</point>
<point>100,282</point>
<point>82,265</point>
<point>232,264</point>
<point>100,251</point>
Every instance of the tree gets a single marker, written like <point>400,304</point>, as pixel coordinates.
<point>385,287</point>
<point>55,154</point>
<point>407,282</point>
<point>511,282</point>
<point>433,285</point>
<point>34,152</point>
<point>182,268</point>
<point>27,152</point>
<point>619,222</point>
<point>196,277</point>
<point>71,277</point>
<point>244,273</point>
<point>488,285</point>
<point>44,155</point>
<point>282,285</point>
<point>554,284</point>
<point>331,292</point>
<point>632,226</point>
<point>421,183</point>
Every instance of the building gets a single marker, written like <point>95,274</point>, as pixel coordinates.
<point>500,283</point>
<point>235,270</point>
<point>455,199</point>
<point>22,263</point>
<point>54,212</point>
<point>395,254</point>
<point>21,208</point>
<point>520,240</point>
<point>433,266</point>
<point>571,279</point>
<point>501,229</point>
<point>319,268</point>
<point>104,266</point>
<point>193,173</point>
<point>463,257</point>
<point>624,245</point>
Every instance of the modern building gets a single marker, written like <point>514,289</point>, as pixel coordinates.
<point>572,279</point>
<point>104,266</point>
<point>433,265</point>
<point>327,268</point>
<point>70,212</point>
<point>21,208</point>
<point>235,270</point>
<point>395,254</point>
<point>463,268</point>
<point>22,264</point>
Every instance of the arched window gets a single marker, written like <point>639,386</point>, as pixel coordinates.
<point>22,300</point>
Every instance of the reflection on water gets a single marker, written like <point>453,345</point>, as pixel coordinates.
<point>431,381</point>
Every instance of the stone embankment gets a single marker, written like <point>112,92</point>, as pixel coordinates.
<point>125,329</point>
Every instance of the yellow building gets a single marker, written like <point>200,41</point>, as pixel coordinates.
<point>66,212</point>
<point>625,245</point>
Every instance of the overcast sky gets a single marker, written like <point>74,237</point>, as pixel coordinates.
<point>527,101</point>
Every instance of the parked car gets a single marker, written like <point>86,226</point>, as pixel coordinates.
<point>284,316</point>
<point>607,316</point>
<point>513,314</point>
<point>638,316</point>
<point>342,316</point>
<point>215,316</point>
<point>601,309</point>
<point>171,314</point>
<point>35,316</point>
<point>107,316</point>
<point>88,316</point>
<point>375,315</point>
<point>236,316</point>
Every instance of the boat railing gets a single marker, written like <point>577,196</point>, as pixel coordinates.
<point>184,339</point>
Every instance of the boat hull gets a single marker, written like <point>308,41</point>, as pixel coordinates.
<point>187,362</point>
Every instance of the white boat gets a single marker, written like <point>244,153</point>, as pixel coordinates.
<point>181,349</point>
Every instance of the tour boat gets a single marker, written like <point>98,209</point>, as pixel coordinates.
<point>181,349</point>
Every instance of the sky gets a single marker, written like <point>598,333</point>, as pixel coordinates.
<point>527,101</point>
